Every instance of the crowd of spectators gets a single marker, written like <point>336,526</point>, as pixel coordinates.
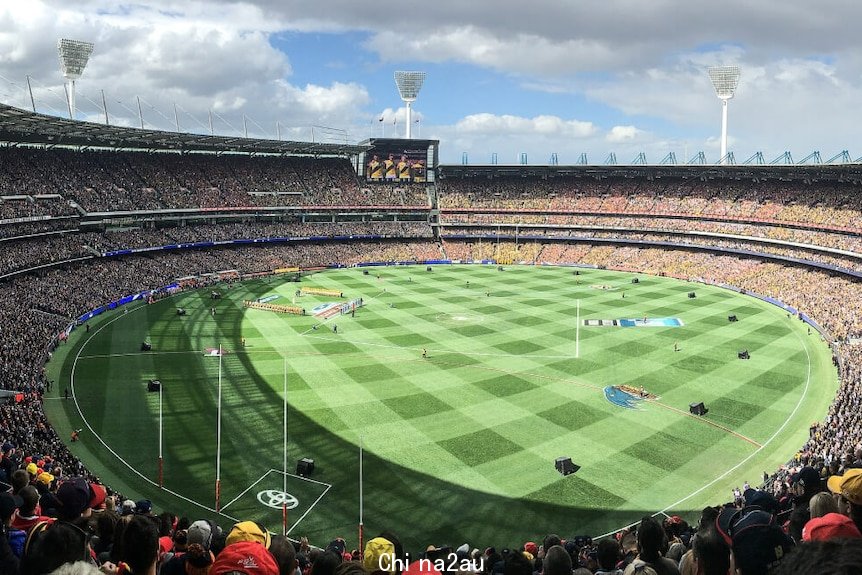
<point>126,181</point>
<point>827,205</point>
<point>555,223</point>
<point>486,250</point>
<point>148,237</point>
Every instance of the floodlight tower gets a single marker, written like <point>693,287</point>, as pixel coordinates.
<point>74,55</point>
<point>409,84</point>
<point>724,80</point>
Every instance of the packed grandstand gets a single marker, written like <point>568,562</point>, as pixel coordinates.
<point>76,228</point>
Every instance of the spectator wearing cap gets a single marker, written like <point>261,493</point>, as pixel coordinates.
<point>245,558</point>
<point>650,541</point>
<point>128,507</point>
<point>198,557</point>
<point>339,547</point>
<point>143,507</point>
<point>806,482</point>
<point>27,515</point>
<point>248,531</point>
<point>73,499</point>
<point>379,556</point>
<point>757,542</point>
<point>830,526</point>
<point>848,488</point>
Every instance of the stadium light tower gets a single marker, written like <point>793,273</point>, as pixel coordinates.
<point>409,84</point>
<point>724,80</point>
<point>74,55</point>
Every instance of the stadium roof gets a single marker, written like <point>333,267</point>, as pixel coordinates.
<point>22,126</point>
<point>850,173</point>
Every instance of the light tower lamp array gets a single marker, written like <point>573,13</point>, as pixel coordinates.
<point>74,55</point>
<point>724,80</point>
<point>409,84</point>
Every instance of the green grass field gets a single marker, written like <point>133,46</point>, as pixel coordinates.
<point>459,446</point>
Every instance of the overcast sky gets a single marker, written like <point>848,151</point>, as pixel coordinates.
<point>504,77</point>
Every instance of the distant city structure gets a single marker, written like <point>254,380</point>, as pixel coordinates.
<point>74,55</point>
<point>724,80</point>
<point>409,84</point>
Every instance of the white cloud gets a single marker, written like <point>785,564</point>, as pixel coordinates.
<point>488,124</point>
<point>619,134</point>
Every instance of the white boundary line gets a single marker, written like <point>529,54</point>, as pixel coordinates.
<point>102,441</point>
<point>307,511</point>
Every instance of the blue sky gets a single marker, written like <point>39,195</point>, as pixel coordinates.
<point>503,76</point>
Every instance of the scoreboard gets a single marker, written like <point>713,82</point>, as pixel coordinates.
<point>398,160</point>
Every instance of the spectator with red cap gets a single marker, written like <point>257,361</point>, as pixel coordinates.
<point>830,526</point>
<point>245,558</point>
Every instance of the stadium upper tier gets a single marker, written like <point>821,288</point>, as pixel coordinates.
<point>37,182</point>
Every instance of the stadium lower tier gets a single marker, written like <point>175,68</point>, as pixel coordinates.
<point>52,297</point>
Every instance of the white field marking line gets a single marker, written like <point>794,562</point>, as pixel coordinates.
<point>307,511</point>
<point>309,479</point>
<point>102,441</point>
<point>246,490</point>
<point>755,452</point>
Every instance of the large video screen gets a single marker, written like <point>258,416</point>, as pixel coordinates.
<point>393,163</point>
